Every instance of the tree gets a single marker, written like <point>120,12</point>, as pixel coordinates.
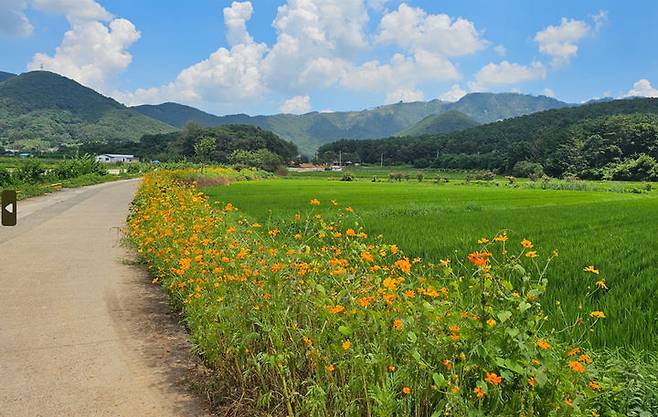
<point>204,149</point>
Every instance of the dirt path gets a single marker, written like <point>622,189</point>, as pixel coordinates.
<point>83,333</point>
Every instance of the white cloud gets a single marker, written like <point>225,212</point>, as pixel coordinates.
<point>297,105</point>
<point>92,51</point>
<point>561,42</point>
<point>377,5</point>
<point>414,29</point>
<point>600,19</point>
<point>74,10</point>
<point>13,21</point>
<point>407,95</point>
<point>506,73</point>
<point>454,94</point>
<point>321,44</point>
<point>642,88</point>
<point>235,19</point>
<point>548,92</point>
<point>402,73</point>
<point>500,50</point>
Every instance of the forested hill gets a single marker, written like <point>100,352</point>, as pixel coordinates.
<point>5,75</point>
<point>311,130</point>
<point>41,109</point>
<point>197,143</point>
<point>450,121</point>
<point>589,141</point>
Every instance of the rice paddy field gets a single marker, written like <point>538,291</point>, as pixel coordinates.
<point>614,231</point>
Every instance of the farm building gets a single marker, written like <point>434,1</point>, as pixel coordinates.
<point>111,158</point>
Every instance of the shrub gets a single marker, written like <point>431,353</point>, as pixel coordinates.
<point>29,172</point>
<point>480,176</point>
<point>642,168</point>
<point>420,177</point>
<point>347,177</point>
<point>5,177</point>
<point>527,169</point>
<point>76,167</point>
<point>261,159</point>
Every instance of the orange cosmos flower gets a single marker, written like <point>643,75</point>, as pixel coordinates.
<point>404,265</point>
<point>595,386</point>
<point>478,392</point>
<point>601,284</point>
<point>444,262</point>
<point>346,344</point>
<point>573,351</point>
<point>592,270</point>
<point>527,244</point>
<point>577,367</point>
<point>397,324</point>
<point>493,378</point>
<point>483,241</point>
<point>314,202</point>
<point>337,309</point>
<point>531,254</point>
<point>479,259</point>
<point>349,209</point>
<point>543,344</point>
<point>330,368</point>
<point>501,238</point>
<point>367,256</point>
<point>350,232</point>
<point>597,314</point>
<point>406,390</point>
<point>390,368</point>
<point>532,381</point>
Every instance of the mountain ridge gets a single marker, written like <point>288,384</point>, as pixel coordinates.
<point>311,130</point>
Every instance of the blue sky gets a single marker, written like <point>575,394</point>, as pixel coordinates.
<point>268,56</point>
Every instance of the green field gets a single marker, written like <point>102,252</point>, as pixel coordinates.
<point>614,231</point>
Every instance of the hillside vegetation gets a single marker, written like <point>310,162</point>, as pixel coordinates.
<point>450,121</point>
<point>6,75</point>
<point>311,130</point>
<point>616,139</point>
<point>218,144</point>
<point>41,109</point>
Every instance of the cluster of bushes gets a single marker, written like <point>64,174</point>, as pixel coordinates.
<point>33,172</point>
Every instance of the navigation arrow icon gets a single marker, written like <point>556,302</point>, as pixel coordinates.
<point>8,207</point>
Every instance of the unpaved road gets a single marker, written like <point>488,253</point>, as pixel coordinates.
<point>82,332</point>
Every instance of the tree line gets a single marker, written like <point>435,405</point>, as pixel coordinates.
<point>614,140</point>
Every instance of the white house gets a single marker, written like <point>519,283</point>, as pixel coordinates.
<point>111,158</point>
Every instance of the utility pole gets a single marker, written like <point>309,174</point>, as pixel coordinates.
<point>340,158</point>
<point>381,160</point>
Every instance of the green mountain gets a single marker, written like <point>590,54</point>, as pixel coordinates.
<point>311,130</point>
<point>600,140</point>
<point>5,75</point>
<point>447,122</point>
<point>492,107</point>
<point>41,109</point>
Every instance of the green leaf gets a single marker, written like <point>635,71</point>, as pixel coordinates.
<point>503,316</point>
<point>345,330</point>
<point>411,337</point>
<point>512,331</point>
<point>523,306</point>
<point>439,380</point>
<point>416,355</point>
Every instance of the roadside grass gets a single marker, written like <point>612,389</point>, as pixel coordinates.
<point>614,231</point>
